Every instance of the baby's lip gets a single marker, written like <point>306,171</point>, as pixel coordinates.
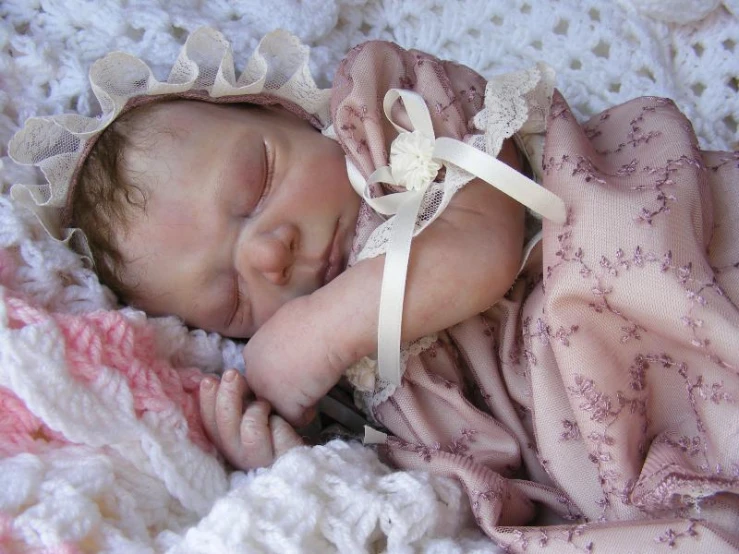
<point>333,263</point>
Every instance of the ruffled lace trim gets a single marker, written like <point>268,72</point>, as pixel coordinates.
<point>515,103</point>
<point>278,70</point>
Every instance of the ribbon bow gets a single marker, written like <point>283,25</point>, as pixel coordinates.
<point>416,155</point>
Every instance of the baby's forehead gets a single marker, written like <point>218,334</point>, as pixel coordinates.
<point>170,125</point>
<point>185,114</point>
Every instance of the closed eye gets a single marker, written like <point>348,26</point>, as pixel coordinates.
<point>238,299</point>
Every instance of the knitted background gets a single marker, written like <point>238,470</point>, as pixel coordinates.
<point>100,445</point>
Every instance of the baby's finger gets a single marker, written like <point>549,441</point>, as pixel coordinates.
<point>208,391</point>
<point>302,417</point>
<point>256,442</point>
<point>284,436</point>
<point>229,406</point>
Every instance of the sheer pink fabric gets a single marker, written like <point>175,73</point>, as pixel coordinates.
<point>454,94</point>
<point>595,407</point>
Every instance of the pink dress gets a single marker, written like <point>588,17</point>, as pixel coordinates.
<point>594,408</point>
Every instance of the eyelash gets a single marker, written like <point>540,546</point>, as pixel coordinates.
<point>239,298</point>
<point>269,172</point>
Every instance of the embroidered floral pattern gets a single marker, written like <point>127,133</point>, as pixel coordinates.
<point>459,445</point>
<point>670,537</point>
<point>571,430</point>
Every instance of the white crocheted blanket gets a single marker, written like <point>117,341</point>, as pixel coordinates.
<point>100,448</point>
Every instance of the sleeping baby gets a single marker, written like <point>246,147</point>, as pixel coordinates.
<point>543,309</point>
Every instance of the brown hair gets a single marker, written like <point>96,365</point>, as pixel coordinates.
<point>105,196</point>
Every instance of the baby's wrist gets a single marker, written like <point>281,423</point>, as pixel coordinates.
<point>348,328</point>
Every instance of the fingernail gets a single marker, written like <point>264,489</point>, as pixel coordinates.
<point>230,375</point>
<point>207,383</point>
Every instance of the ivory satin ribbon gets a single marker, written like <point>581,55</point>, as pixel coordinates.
<point>404,207</point>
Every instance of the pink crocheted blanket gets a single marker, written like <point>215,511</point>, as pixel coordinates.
<point>92,412</point>
<point>98,359</point>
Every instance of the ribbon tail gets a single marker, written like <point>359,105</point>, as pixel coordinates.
<point>392,292</point>
<point>503,177</point>
<point>373,436</point>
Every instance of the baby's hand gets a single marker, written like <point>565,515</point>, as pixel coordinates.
<point>292,360</point>
<point>247,438</point>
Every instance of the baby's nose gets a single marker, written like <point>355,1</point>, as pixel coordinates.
<point>272,254</point>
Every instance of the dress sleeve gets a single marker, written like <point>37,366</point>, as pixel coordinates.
<point>461,105</point>
<point>453,94</point>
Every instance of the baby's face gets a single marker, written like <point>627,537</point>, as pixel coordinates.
<point>246,209</point>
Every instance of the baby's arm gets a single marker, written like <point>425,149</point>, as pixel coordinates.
<point>460,265</point>
<point>247,438</point>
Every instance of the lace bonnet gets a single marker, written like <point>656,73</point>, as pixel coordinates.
<point>276,73</point>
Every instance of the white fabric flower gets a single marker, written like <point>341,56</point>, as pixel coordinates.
<point>411,162</point>
<point>362,374</point>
